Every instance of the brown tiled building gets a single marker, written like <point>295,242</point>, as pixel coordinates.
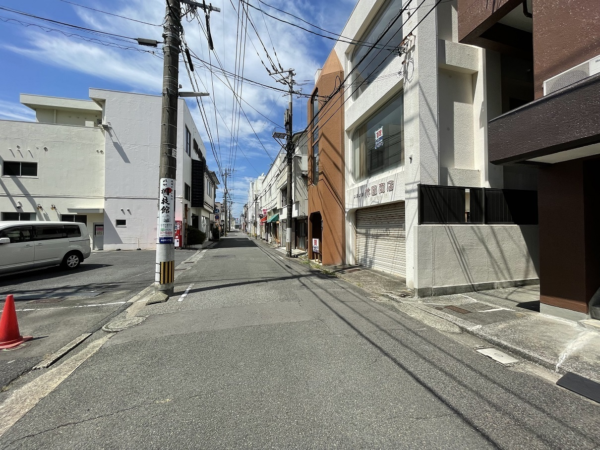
<point>326,220</point>
<point>548,54</point>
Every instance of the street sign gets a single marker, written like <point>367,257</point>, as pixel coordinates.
<point>217,210</point>
<point>217,217</point>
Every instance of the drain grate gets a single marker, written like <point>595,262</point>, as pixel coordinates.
<point>457,309</point>
<point>223,256</point>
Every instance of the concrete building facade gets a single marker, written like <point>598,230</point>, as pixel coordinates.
<point>418,196</point>
<point>544,59</point>
<point>97,162</point>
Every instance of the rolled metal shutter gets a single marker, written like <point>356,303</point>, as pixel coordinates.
<point>381,238</point>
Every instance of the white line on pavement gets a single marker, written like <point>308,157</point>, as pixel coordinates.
<point>69,307</point>
<point>184,295</point>
<point>26,397</point>
<point>495,309</point>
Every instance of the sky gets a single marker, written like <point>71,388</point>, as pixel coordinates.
<point>43,62</point>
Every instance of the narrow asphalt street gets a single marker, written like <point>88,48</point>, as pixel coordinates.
<point>259,351</point>
<point>56,305</point>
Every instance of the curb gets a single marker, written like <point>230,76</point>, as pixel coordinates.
<point>475,330</point>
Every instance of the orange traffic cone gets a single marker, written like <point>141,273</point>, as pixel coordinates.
<point>10,336</point>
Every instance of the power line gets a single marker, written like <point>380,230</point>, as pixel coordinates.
<point>75,35</point>
<point>65,24</point>
<point>338,37</point>
<point>349,96</point>
<point>111,14</point>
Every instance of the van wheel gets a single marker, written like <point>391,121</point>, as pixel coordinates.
<point>71,261</point>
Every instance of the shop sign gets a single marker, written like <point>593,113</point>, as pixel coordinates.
<point>167,211</point>
<point>315,245</point>
<point>379,137</point>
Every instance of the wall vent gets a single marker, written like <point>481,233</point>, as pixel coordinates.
<point>573,75</point>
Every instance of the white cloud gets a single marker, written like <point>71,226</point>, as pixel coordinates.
<point>15,111</point>
<point>142,72</point>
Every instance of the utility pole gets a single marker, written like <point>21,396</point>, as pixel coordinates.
<point>256,215</point>
<point>226,173</point>
<point>165,250</point>
<point>289,146</point>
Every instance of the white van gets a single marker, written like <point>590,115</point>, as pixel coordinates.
<point>28,245</point>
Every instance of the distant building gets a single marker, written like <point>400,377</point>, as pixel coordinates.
<point>96,162</point>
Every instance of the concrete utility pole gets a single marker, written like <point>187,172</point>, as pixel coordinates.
<point>165,251</point>
<point>290,156</point>
<point>256,215</point>
<point>226,173</point>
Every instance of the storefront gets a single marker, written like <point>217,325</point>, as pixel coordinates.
<point>381,238</point>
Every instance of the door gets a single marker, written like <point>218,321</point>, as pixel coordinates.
<point>381,238</point>
<point>98,237</point>
<point>51,243</point>
<point>20,251</point>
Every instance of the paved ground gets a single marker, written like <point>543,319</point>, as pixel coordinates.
<point>55,306</point>
<point>264,352</point>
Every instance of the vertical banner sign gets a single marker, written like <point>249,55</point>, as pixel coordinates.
<point>166,217</point>
<point>315,245</point>
<point>379,137</point>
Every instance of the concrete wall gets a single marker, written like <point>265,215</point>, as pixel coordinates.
<point>70,168</point>
<point>463,258</point>
<point>132,158</point>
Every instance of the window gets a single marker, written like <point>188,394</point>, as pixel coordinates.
<point>73,231</point>
<point>188,141</point>
<point>17,216</point>
<point>17,234</point>
<point>19,169</point>
<point>284,197</point>
<point>121,223</point>
<point>48,232</point>
<point>79,218</point>
<point>378,144</point>
<point>187,192</point>
<point>367,69</point>
<point>197,149</point>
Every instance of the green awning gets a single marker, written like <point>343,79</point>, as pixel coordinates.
<point>274,218</point>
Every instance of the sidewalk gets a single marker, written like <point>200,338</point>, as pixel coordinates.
<point>507,318</point>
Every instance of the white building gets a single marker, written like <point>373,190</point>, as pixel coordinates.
<point>416,157</point>
<point>97,162</point>
<point>267,197</point>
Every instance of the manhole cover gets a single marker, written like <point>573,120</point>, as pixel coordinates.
<point>122,324</point>
<point>457,309</point>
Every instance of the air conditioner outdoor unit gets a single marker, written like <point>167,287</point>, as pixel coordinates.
<point>573,75</point>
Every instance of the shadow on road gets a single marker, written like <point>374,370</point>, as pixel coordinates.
<point>47,273</point>
<point>235,243</point>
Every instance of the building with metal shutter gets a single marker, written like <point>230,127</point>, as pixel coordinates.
<point>381,239</point>
<point>417,180</point>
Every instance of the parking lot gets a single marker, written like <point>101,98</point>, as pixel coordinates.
<point>55,306</point>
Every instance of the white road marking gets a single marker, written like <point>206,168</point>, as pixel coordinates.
<point>26,397</point>
<point>184,295</point>
<point>71,307</point>
<point>495,309</point>
<point>279,257</point>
